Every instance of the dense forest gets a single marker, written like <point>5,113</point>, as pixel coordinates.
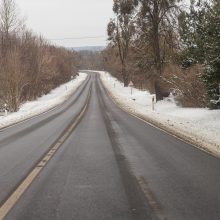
<point>166,46</point>
<point>29,65</point>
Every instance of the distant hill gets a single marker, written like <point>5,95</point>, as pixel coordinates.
<point>89,48</point>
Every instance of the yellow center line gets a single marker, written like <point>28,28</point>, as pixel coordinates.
<point>15,196</point>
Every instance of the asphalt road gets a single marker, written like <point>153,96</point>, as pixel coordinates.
<point>113,166</point>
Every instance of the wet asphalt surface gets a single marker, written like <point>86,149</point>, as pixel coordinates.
<point>113,166</point>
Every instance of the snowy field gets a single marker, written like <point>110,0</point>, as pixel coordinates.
<point>198,125</point>
<point>44,103</point>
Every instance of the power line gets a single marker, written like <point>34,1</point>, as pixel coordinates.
<point>79,38</point>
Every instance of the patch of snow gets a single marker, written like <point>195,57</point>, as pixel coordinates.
<point>199,125</point>
<point>56,97</point>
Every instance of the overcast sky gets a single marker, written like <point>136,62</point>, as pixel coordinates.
<point>58,19</point>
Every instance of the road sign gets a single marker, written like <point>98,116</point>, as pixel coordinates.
<point>131,84</point>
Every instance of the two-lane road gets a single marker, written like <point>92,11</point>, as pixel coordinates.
<point>112,166</point>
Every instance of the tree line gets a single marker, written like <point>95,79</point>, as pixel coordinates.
<point>29,65</point>
<point>167,46</point>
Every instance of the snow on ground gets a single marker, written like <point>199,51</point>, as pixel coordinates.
<point>200,126</point>
<point>44,103</point>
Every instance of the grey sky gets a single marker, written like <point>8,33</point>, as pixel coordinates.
<point>56,19</point>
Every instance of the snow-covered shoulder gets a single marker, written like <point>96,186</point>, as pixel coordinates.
<point>200,126</point>
<point>56,97</point>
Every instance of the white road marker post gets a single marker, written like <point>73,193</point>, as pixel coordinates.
<point>6,111</point>
<point>131,84</point>
<point>153,100</point>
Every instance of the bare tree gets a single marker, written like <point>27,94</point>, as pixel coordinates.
<point>10,23</point>
<point>13,79</point>
<point>120,31</point>
<point>29,65</point>
<point>157,19</point>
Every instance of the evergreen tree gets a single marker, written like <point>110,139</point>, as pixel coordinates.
<point>200,35</point>
<point>212,46</point>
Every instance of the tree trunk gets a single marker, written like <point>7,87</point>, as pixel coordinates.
<point>158,66</point>
<point>14,104</point>
<point>157,89</point>
<point>125,75</point>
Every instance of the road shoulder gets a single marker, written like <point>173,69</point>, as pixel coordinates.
<point>170,128</point>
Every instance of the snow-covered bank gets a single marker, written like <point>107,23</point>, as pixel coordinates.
<point>199,126</point>
<point>44,103</point>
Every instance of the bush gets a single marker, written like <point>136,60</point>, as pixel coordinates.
<point>188,83</point>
